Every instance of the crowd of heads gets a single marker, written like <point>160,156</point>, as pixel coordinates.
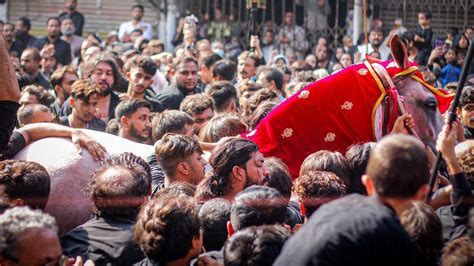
<point>227,199</point>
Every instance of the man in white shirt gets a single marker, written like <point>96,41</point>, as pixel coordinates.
<point>126,28</point>
<point>375,45</point>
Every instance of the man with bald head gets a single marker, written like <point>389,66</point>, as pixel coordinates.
<point>117,190</point>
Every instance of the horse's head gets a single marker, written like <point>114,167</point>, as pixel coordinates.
<point>417,99</point>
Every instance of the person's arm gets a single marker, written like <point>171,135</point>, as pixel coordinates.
<point>33,132</point>
<point>461,188</point>
<point>9,89</point>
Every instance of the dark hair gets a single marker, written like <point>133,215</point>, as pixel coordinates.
<point>148,66</point>
<point>315,188</point>
<point>26,22</point>
<point>128,107</point>
<point>24,180</point>
<point>123,194</point>
<point>184,59</point>
<point>223,93</point>
<point>209,60</point>
<point>357,158</point>
<point>279,177</point>
<point>247,54</point>
<point>467,96</point>
<point>225,69</point>
<point>58,75</point>
<point>426,13</point>
<point>26,113</point>
<point>329,161</point>
<point>230,153</point>
<point>83,89</point>
<point>109,61</point>
<point>214,215</point>
<point>172,149</point>
<point>175,189</point>
<point>272,74</point>
<point>203,191</point>
<point>423,226</point>
<point>260,113</point>
<point>53,18</point>
<point>255,245</point>
<point>43,97</point>
<point>112,127</point>
<point>170,121</point>
<point>138,6</point>
<point>196,104</point>
<point>398,166</point>
<point>459,252</point>
<point>222,125</point>
<point>166,227</point>
<point>257,205</point>
<point>260,97</point>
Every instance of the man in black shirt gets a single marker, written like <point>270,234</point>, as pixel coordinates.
<point>30,63</point>
<point>116,189</point>
<point>22,35</point>
<point>185,84</point>
<point>76,16</point>
<point>359,230</point>
<point>62,49</point>
<point>84,98</point>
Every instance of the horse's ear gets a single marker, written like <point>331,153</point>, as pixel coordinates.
<point>399,52</point>
<point>372,60</point>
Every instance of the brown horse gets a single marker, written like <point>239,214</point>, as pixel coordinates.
<point>70,172</point>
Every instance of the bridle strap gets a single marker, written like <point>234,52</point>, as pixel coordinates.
<point>392,99</point>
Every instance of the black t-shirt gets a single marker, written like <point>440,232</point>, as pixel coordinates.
<point>7,122</point>
<point>62,49</point>
<point>354,230</point>
<point>94,124</point>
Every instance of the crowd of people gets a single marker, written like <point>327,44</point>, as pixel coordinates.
<point>205,196</point>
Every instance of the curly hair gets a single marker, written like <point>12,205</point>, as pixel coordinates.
<point>330,161</point>
<point>230,153</point>
<point>316,188</point>
<point>467,96</point>
<point>222,125</point>
<point>25,180</point>
<point>255,245</point>
<point>260,97</point>
<point>260,113</point>
<point>42,96</point>
<point>196,104</point>
<point>166,227</point>
<point>123,194</point>
<point>15,221</point>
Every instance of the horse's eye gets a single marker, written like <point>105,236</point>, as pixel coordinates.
<point>431,105</point>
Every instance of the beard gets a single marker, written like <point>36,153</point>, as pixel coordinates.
<point>139,135</point>
<point>249,182</point>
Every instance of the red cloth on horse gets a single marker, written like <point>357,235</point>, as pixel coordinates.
<point>330,114</point>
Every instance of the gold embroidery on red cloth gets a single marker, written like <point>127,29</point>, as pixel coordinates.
<point>288,132</point>
<point>304,94</point>
<point>330,137</point>
<point>347,105</point>
<point>363,71</point>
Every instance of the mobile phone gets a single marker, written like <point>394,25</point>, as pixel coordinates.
<point>439,43</point>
